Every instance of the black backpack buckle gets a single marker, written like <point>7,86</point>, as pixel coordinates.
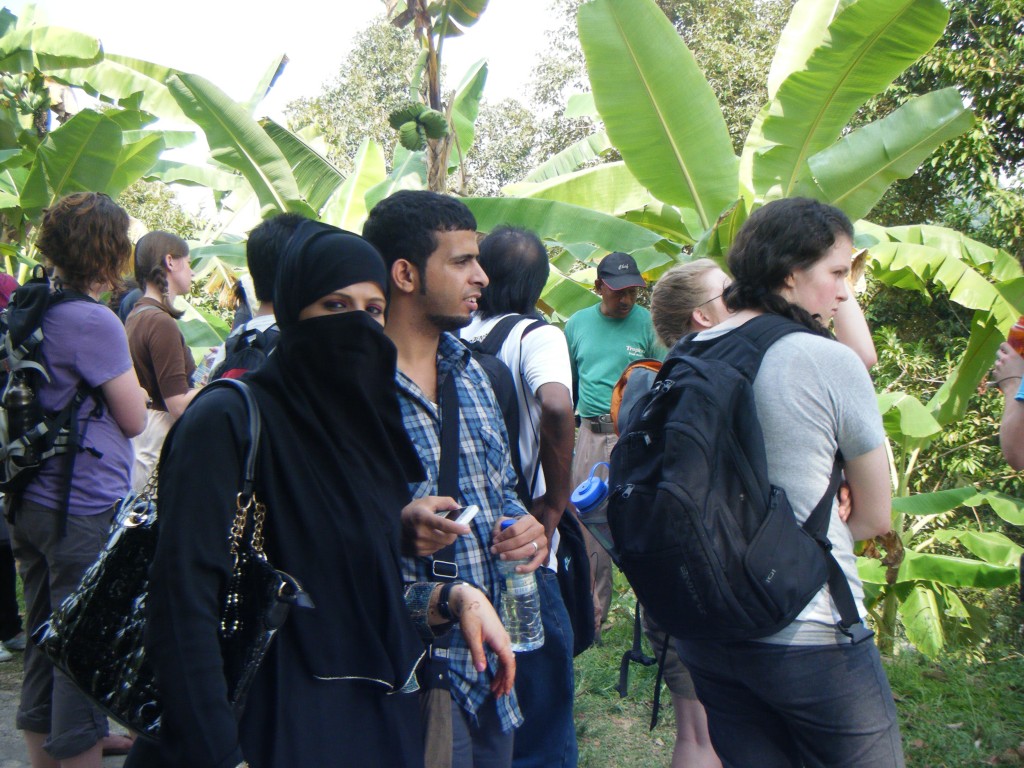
<point>856,632</point>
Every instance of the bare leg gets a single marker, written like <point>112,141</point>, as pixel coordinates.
<point>693,744</point>
<point>37,756</point>
<point>91,758</point>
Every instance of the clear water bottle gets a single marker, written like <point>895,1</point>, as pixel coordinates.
<point>591,501</point>
<point>520,604</point>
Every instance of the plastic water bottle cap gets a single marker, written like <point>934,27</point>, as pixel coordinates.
<point>589,494</point>
<point>506,523</point>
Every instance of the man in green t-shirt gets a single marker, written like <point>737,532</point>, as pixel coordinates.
<point>603,340</point>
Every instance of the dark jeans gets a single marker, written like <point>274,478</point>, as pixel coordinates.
<point>483,745</point>
<point>545,688</point>
<point>778,706</point>
<point>51,567</point>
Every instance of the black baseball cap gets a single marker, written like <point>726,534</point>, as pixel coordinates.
<point>618,270</point>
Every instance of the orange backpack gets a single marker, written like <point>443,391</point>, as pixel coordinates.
<point>620,386</point>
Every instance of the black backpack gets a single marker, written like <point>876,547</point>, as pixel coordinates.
<point>710,547</point>
<point>485,352</point>
<point>28,435</point>
<point>246,351</point>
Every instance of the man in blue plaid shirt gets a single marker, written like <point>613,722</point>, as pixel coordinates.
<point>430,246</point>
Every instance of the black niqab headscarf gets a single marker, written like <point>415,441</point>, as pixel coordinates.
<point>335,464</point>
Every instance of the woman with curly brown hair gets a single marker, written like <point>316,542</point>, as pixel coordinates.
<point>85,237</point>
<point>162,360</point>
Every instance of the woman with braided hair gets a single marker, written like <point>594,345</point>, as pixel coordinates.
<point>162,360</point>
<point>810,694</point>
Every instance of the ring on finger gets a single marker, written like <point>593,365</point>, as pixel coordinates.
<point>536,547</point>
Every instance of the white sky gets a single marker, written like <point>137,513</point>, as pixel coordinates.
<point>233,43</point>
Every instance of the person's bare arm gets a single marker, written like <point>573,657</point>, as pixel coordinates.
<point>852,330</point>
<point>176,404</point>
<point>870,494</point>
<point>127,402</point>
<point>1009,369</point>
<point>557,438</point>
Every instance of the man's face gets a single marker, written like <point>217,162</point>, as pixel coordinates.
<point>453,280</point>
<point>616,304</point>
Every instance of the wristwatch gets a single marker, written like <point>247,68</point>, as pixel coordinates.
<point>443,607</point>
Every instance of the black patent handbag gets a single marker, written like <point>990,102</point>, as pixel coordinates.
<point>96,635</point>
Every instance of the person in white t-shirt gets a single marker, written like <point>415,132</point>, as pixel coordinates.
<point>536,353</point>
<point>266,243</point>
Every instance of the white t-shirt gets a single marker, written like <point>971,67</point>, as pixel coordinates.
<point>541,357</point>
<point>259,323</point>
<point>815,396</point>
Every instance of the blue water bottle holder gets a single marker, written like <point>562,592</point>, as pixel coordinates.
<point>591,501</point>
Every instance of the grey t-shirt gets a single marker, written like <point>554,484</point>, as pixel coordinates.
<point>813,396</point>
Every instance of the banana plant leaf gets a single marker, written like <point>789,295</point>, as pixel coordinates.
<point>172,139</point>
<point>239,142</point>
<point>804,31</point>
<point>188,174</point>
<point>921,615</point>
<point>79,156</point>
<point>715,242</point>
<point>609,188</point>
<point>571,158</point>
<point>457,15</point>
<point>868,44</point>
<point>564,223</point>
<point>564,297</point>
<point>1009,508</point>
<point>347,207</point>
<point>952,399</point>
<point>657,106</point>
<point>668,221</point>
<point>266,82</point>
<point>582,105</point>
<point>955,571</point>
<point>906,419</point>
<point>465,108</point>
<point>135,161</point>
<point>120,77</point>
<point>25,48</point>
<point>992,547</point>
<point>201,328</point>
<point>855,172</point>
<point>317,178</point>
<point>207,258</point>
<point>408,171</point>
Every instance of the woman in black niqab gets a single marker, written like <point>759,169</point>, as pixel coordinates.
<point>333,469</point>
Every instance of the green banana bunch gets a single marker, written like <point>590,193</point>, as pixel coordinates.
<point>416,123</point>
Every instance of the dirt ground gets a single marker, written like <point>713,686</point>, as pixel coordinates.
<point>12,748</point>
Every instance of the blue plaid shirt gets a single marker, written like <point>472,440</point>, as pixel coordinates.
<point>487,479</point>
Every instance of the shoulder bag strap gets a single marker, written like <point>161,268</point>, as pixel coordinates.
<point>443,566</point>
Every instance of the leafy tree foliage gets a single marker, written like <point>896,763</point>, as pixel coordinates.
<point>155,205</point>
<point>354,106</point>
<point>506,134</point>
<point>974,183</point>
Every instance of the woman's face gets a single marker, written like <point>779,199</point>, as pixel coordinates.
<point>713,309</point>
<point>822,287</point>
<point>179,274</point>
<point>368,297</point>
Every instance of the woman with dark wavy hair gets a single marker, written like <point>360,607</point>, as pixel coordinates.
<point>85,237</point>
<point>809,694</point>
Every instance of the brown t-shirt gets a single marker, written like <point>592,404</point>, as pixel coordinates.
<point>163,363</point>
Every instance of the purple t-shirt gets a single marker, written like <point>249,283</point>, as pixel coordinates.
<point>83,341</point>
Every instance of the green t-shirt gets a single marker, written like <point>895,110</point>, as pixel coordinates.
<point>601,347</point>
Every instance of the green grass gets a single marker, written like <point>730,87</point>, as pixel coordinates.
<point>955,712</point>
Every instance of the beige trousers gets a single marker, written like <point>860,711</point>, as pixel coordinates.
<point>591,448</point>
<point>147,446</point>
